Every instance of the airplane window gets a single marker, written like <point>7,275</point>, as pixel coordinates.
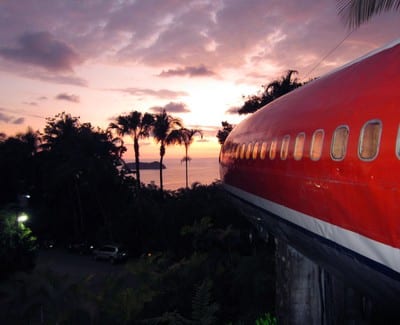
<point>263,151</point>
<point>232,151</point>
<point>339,142</point>
<point>226,148</point>
<point>272,150</point>
<point>285,147</point>
<point>255,150</point>
<point>299,146</point>
<point>370,137</point>
<point>398,144</point>
<point>249,150</point>
<point>222,152</point>
<point>316,145</point>
<point>242,150</point>
<point>237,152</point>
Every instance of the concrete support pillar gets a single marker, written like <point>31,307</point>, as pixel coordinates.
<point>306,294</point>
<point>298,298</point>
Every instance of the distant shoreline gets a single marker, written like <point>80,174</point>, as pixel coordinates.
<point>145,165</point>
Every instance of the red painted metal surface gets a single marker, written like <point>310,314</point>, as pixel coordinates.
<point>359,196</point>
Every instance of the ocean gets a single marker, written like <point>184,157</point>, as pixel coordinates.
<point>201,170</point>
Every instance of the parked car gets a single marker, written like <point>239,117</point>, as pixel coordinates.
<point>112,253</point>
<point>47,244</point>
<point>82,248</point>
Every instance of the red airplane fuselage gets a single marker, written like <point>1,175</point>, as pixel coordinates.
<point>325,160</point>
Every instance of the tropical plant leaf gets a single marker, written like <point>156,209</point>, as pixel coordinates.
<point>203,309</point>
<point>356,12</point>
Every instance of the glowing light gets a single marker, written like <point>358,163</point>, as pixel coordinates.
<point>22,218</point>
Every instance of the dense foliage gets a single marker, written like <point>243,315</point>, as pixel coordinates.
<point>272,91</point>
<point>17,244</point>
<point>191,258</point>
<point>196,265</point>
<point>224,132</point>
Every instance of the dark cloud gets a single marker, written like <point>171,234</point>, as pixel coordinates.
<point>171,107</point>
<point>161,93</point>
<point>58,79</point>
<point>31,103</point>
<point>47,76</point>
<point>42,49</point>
<point>203,140</point>
<point>19,121</point>
<point>199,71</point>
<point>5,117</point>
<point>176,108</point>
<point>207,130</point>
<point>68,97</point>
<point>10,119</point>
<point>235,34</point>
<point>232,110</point>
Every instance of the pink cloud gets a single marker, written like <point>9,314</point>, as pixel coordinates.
<point>234,34</point>
<point>171,107</point>
<point>68,97</point>
<point>194,71</point>
<point>160,93</point>
<point>43,50</point>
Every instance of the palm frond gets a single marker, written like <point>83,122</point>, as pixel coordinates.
<point>356,12</point>
<point>203,309</point>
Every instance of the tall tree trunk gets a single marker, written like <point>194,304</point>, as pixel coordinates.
<point>162,153</point>
<point>186,162</point>
<point>80,210</point>
<point>137,162</point>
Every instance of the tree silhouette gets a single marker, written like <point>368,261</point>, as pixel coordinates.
<point>272,91</point>
<point>78,168</point>
<point>17,164</point>
<point>356,12</point>
<point>186,138</point>
<point>163,128</point>
<point>223,134</point>
<point>137,126</point>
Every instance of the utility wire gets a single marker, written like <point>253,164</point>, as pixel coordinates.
<point>329,53</point>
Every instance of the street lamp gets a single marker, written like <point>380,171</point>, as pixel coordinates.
<point>22,218</point>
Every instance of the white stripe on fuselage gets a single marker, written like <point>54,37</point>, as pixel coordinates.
<point>372,249</point>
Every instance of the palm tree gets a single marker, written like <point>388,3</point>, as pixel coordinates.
<point>187,139</point>
<point>282,86</point>
<point>165,132</point>
<point>272,91</point>
<point>137,126</point>
<point>356,12</point>
<point>31,139</point>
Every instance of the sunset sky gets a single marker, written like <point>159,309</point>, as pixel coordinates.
<point>97,59</point>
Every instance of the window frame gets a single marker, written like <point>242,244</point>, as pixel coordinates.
<point>361,137</point>
<point>237,151</point>
<point>295,157</point>
<point>249,150</point>
<point>398,143</point>
<point>272,149</point>
<point>256,149</point>
<point>284,152</point>
<point>242,150</point>
<point>345,145</point>
<point>313,144</point>
<point>263,150</point>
